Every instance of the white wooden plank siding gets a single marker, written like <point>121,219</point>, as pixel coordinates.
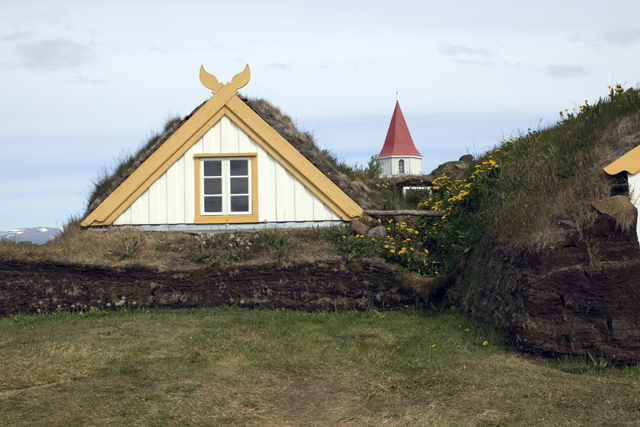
<point>390,165</point>
<point>171,199</point>
<point>634,195</point>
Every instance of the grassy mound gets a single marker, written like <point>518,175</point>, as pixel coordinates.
<point>546,177</point>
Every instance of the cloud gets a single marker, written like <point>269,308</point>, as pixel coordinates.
<point>326,64</point>
<point>18,36</point>
<point>566,71</point>
<point>473,62</point>
<point>458,50</point>
<point>236,59</point>
<point>54,55</point>
<point>80,79</point>
<point>621,36</point>
<point>362,62</point>
<point>279,66</point>
<point>467,55</point>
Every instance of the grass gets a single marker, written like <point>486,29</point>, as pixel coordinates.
<point>555,173</point>
<point>274,368</point>
<point>545,177</point>
<point>166,250</point>
<point>108,177</point>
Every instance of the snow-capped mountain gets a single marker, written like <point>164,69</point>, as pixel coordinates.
<point>35,235</point>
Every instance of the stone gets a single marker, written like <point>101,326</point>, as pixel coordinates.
<point>614,206</point>
<point>359,227</point>
<point>466,158</point>
<point>377,232</point>
<point>619,208</point>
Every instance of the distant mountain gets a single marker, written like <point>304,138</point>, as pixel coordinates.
<point>35,235</point>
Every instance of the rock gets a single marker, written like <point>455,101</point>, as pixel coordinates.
<point>619,208</point>
<point>379,231</point>
<point>466,158</point>
<point>359,227</point>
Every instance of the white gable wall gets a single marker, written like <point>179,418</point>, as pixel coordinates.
<point>634,196</point>
<point>171,199</point>
<point>412,165</point>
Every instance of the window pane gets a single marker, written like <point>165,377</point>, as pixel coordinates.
<point>213,168</point>
<point>239,203</point>
<point>239,185</point>
<point>213,204</point>
<point>239,167</point>
<point>212,186</point>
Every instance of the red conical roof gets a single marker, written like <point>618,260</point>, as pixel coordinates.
<point>398,141</point>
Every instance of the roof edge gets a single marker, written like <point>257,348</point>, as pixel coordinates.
<point>629,162</point>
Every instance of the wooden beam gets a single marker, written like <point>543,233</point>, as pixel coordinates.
<point>407,212</point>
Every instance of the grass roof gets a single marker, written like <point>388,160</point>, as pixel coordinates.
<point>109,179</point>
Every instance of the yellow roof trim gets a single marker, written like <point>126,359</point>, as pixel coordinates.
<point>158,163</point>
<point>630,162</point>
<point>224,102</point>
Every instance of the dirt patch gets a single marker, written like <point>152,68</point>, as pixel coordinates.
<point>314,401</point>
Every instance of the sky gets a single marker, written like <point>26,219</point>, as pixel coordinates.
<point>81,82</point>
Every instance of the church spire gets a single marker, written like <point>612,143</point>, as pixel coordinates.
<point>398,141</point>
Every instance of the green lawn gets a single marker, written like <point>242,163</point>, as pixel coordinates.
<point>282,368</point>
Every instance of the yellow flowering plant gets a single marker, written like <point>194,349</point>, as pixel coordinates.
<point>455,234</point>
<point>431,246</point>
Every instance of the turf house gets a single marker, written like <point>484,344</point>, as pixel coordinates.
<point>223,168</point>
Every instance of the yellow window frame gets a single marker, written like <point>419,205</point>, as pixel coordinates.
<point>227,219</point>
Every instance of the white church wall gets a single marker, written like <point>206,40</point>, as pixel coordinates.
<point>391,165</point>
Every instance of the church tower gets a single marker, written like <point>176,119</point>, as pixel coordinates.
<point>399,156</point>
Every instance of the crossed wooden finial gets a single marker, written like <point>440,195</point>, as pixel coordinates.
<point>238,81</point>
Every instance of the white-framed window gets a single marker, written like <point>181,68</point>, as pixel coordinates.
<point>400,166</point>
<point>225,185</point>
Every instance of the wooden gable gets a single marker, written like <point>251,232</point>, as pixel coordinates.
<point>224,103</point>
